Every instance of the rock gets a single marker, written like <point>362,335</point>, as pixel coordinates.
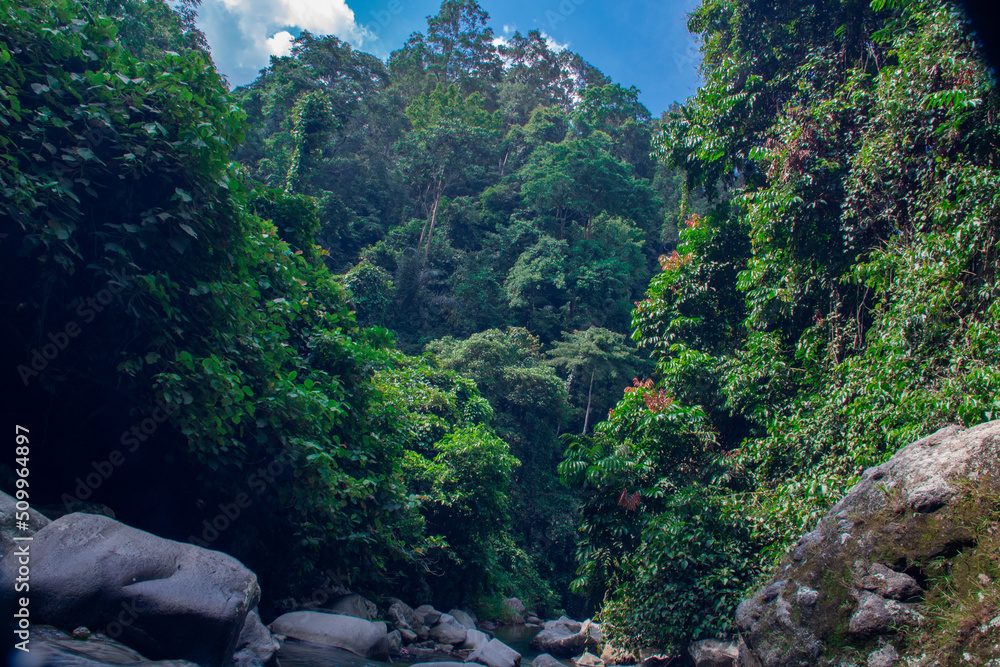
<point>51,647</point>
<point>464,618</point>
<point>354,605</point>
<point>365,638</point>
<point>8,530</point>
<point>474,639</point>
<point>255,646</point>
<point>163,598</point>
<point>546,660</point>
<point>449,631</point>
<point>910,511</point>
<point>589,660</point>
<point>884,657</point>
<point>877,616</point>
<point>559,639</point>
<point>713,653</point>
<point>612,655</point>
<point>514,605</point>
<point>408,636</point>
<point>395,641</point>
<point>534,620</point>
<point>495,654</point>
<point>428,614</point>
<point>890,584</point>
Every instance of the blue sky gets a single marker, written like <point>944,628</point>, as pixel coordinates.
<point>639,43</point>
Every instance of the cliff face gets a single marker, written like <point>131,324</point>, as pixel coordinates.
<point>904,569</point>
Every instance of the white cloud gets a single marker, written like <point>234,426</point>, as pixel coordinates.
<point>280,44</point>
<point>265,25</point>
<point>553,45</point>
<point>500,41</point>
<point>509,28</point>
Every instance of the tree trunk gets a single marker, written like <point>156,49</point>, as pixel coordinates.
<point>434,213</point>
<point>590,393</point>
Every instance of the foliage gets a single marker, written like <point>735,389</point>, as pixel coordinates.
<point>835,301</point>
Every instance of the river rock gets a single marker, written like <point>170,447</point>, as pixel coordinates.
<point>464,618</point>
<point>428,614</point>
<point>365,638</point>
<point>474,639</point>
<point>612,655</point>
<point>495,654</point>
<point>559,639</point>
<point>588,660</point>
<point>163,598</point>
<point>713,653</point>
<point>546,660</point>
<point>449,631</point>
<point>852,583</point>
<point>8,527</point>
<point>256,646</point>
<point>354,605</point>
<point>51,647</point>
<point>407,621</point>
<point>395,640</point>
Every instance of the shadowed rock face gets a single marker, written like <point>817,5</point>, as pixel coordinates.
<point>850,585</point>
<point>361,637</point>
<point>163,598</point>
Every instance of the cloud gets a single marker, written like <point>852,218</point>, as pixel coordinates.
<point>245,33</point>
<point>553,45</point>
<point>280,44</point>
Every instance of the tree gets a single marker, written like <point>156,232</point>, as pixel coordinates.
<point>594,352</point>
<point>452,142</point>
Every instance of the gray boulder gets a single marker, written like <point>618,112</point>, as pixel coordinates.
<point>546,660</point>
<point>51,647</point>
<point>464,618</point>
<point>8,526</point>
<point>449,631</point>
<point>163,598</point>
<point>395,640</point>
<point>407,621</point>
<point>354,605</point>
<point>365,638</point>
<point>612,655</point>
<point>474,639</point>
<point>713,653</point>
<point>428,614</point>
<point>559,639</point>
<point>851,584</point>
<point>256,646</point>
<point>495,654</point>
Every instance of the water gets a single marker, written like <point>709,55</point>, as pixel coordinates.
<point>305,654</point>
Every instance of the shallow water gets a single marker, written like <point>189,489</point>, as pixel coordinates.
<point>305,654</point>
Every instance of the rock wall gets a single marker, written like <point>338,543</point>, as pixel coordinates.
<point>887,569</point>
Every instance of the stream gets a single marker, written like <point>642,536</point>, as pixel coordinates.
<point>296,653</point>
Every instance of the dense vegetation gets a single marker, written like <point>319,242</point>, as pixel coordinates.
<point>387,300</point>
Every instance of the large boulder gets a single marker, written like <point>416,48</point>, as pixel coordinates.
<point>495,654</point>
<point>256,646</point>
<point>449,631</point>
<point>474,639</point>
<point>428,614</point>
<point>163,598</point>
<point>365,638</point>
<point>354,605</point>
<point>51,647</point>
<point>560,639</point>
<point>848,587</point>
<point>464,617</point>
<point>409,623</point>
